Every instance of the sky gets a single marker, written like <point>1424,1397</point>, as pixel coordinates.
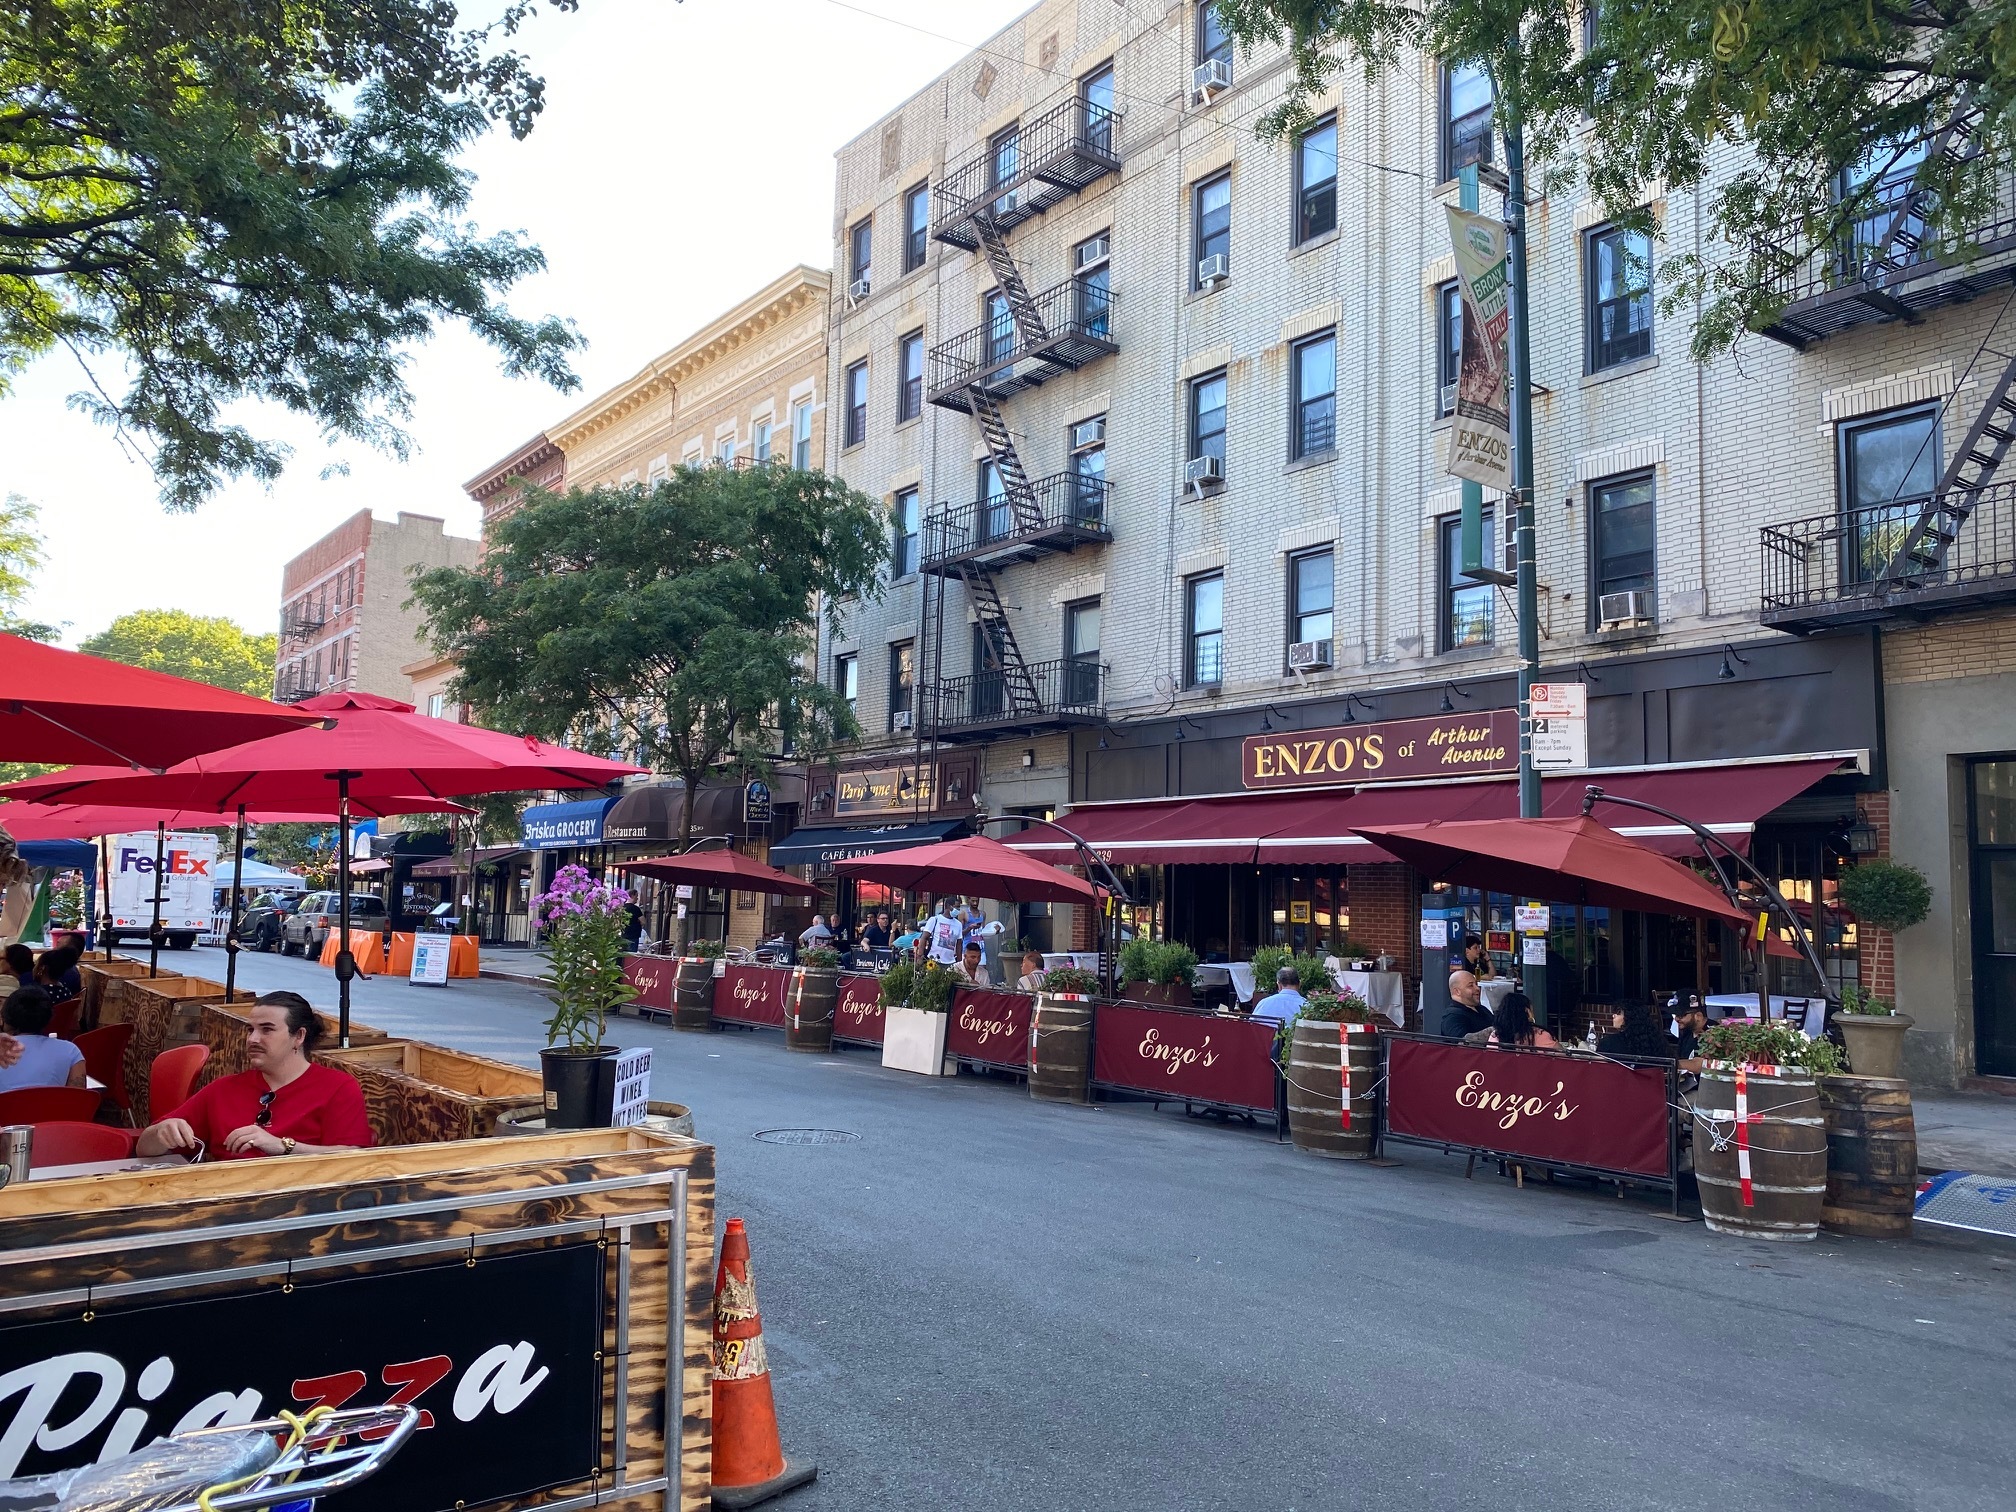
<point>685,158</point>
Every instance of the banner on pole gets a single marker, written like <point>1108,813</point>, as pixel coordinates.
<point>1480,441</point>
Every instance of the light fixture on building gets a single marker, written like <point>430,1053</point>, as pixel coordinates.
<point>1728,671</point>
<point>1448,689</point>
<point>1861,837</point>
<point>1029,756</point>
<point>1350,699</point>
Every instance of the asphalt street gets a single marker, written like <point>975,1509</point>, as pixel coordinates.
<point>979,1302</point>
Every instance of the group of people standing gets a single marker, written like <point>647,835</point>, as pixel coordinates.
<point>955,934</point>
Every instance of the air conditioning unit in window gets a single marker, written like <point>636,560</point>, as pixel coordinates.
<point>1213,270</point>
<point>1214,76</point>
<point>858,290</point>
<point>1204,473</point>
<point>1618,611</point>
<point>1308,656</point>
<point>1096,250</point>
<point>1088,433</point>
<point>902,719</point>
<point>1007,204</point>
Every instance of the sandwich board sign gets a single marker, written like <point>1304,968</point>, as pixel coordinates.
<point>633,1087</point>
<point>430,960</point>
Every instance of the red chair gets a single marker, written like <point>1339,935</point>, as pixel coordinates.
<point>38,1105</point>
<point>172,1078</point>
<point>63,1020</point>
<point>67,1143</point>
<point>104,1052</point>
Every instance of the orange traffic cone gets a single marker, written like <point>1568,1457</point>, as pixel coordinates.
<point>749,1463</point>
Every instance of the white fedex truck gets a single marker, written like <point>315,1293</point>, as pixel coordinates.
<point>187,875</point>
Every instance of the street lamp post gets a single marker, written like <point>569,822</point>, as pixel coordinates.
<point>1091,861</point>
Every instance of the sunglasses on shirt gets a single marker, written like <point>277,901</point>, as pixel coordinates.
<point>265,1109</point>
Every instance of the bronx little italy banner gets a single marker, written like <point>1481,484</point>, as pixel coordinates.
<point>1480,441</point>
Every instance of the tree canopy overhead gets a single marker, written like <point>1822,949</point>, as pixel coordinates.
<point>201,648</point>
<point>212,201</point>
<point>1826,99</point>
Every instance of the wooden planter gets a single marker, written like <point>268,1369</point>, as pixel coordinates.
<point>223,1029</point>
<point>1160,994</point>
<point>1060,1047</point>
<point>1872,1156</point>
<point>417,1093</point>
<point>98,975</point>
<point>693,994</point>
<point>164,1012</point>
<point>809,1004</point>
<point>663,1118</point>
<point>1787,1155</point>
<point>116,1007</point>
<point>1326,1061</point>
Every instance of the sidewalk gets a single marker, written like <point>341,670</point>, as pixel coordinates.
<point>1965,1131</point>
<point>509,965</point>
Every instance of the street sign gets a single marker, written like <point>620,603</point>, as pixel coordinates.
<point>1560,737</point>
<point>1531,918</point>
<point>430,960</point>
<point>633,1087</point>
<point>1434,934</point>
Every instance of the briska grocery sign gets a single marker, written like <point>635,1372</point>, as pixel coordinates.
<point>1451,746</point>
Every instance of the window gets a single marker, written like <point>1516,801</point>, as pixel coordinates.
<point>992,494</point>
<point>1620,537</point>
<point>902,680</point>
<point>847,678</point>
<point>990,657</point>
<point>1214,44</point>
<point>910,387</point>
<point>1889,470</point>
<point>904,562</point>
<point>1088,472</point>
<point>1095,94</point>
<point>1207,418</point>
<point>1315,422</point>
<point>916,227</point>
<point>1448,345</point>
<point>1204,630</point>
<point>1619,311</point>
<point>1466,605</point>
<point>724,450</point>
<point>1092,261</point>
<point>1004,161</point>
<point>1466,117</point>
<point>1000,322</point>
<point>861,251</point>
<point>1213,218</point>
<point>437,705</point>
<point>857,404</point>
<point>1081,654</point>
<point>1316,180</point>
<point>1881,179</point>
<point>801,434</point>
<point>1311,595</point>
<point>761,432</point>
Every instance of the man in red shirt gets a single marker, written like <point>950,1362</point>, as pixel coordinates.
<point>285,1105</point>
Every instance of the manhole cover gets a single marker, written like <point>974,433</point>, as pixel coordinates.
<point>806,1136</point>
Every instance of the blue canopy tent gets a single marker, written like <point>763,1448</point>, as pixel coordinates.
<point>68,855</point>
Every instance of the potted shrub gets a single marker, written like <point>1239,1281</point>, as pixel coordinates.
<point>693,985</point>
<point>916,1004</point>
<point>1268,961</point>
<point>1172,968</point>
<point>1889,895</point>
<point>1319,1061</point>
<point>584,920</point>
<point>1060,1036</point>
<point>1759,1107</point>
<point>810,1000</point>
<point>1131,971</point>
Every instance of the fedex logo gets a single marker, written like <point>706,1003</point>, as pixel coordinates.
<point>177,863</point>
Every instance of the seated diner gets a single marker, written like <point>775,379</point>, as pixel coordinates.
<point>1512,1024</point>
<point>1638,1032</point>
<point>40,1061</point>
<point>1465,1014</point>
<point>285,1104</point>
<point>20,968</point>
<point>1031,979</point>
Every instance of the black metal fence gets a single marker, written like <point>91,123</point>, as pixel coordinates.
<point>1960,544</point>
<point>1071,324</point>
<point>1067,504</point>
<point>1054,154</point>
<point>1035,693</point>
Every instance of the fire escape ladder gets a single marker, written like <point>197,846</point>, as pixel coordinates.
<point>1015,484</point>
<point>1902,243</point>
<point>997,639</point>
<point>1008,278</point>
<point>1972,469</point>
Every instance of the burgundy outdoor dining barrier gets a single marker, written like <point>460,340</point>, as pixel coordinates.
<point>857,1019</point>
<point>1195,1057</point>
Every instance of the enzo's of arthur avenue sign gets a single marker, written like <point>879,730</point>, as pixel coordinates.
<point>1453,745</point>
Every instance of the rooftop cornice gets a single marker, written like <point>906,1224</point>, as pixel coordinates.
<point>540,450</point>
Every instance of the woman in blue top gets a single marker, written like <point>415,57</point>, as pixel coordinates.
<point>43,1062</point>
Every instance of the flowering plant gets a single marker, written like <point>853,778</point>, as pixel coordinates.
<point>584,920</point>
<point>1772,1043</point>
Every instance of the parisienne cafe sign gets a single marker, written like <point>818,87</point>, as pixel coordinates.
<point>1452,745</point>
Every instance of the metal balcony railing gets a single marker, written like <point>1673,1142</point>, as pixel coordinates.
<point>1015,176</point>
<point>1070,512</point>
<point>1910,558</point>
<point>1070,690</point>
<point>1063,328</point>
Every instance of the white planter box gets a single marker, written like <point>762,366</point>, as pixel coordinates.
<point>913,1040</point>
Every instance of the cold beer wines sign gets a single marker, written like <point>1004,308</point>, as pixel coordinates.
<point>1453,746</point>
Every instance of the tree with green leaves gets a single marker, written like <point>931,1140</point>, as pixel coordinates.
<point>1804,123</point>
<point>676,623</point>
<point>20,560</point>
<point>201,648</point>
<point>236,200</point>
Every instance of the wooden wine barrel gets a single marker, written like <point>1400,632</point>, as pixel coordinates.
<point>809,1001</point>
<point>1872,1156</point>
<point>1788,1155</point>
<point>1322,1055</point>
<point>693,994</point>
<point>1060,1047</point>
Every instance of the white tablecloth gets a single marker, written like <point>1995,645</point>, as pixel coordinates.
<point>1494,991</point>
<point>1809,1014</point>
<point>1383,991</point>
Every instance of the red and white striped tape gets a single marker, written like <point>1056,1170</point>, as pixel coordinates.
<point>1344,1033</point>
<point>1744,1118</point>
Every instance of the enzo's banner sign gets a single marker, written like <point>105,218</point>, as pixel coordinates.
<point>1480,441</point>
<point>652,977</point>
<point>1580,1110</point>
<point>858,1016</point>
<point>1453,746</point>
<point>1205,1057</point>
<point>752,995</point>
<point>992,1027</point>
<point>499,1357</point>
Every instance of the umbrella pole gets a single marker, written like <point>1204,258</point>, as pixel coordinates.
<point>346,964</point>
<point>154,928</point>
<point>105,860</point>
<point>237,901</point>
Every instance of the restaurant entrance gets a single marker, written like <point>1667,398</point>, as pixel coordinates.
<point>1991,837</point>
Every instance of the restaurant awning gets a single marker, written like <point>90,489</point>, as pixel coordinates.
<point>559,826</point>
<point>825,847</point>
<point>456,864</point>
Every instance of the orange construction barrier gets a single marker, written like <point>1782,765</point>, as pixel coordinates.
<point>399,962</point>
<point>463,956</point>
<point>749,1463</point>
<point>366,945</point>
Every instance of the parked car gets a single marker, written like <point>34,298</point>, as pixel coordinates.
<point>259,926</point>
<point>305,932</point>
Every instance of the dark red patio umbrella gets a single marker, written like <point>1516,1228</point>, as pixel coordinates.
<point>976,866</point>
<point>722,868</point>
<point>59,706</point>
<point>1573,860</point>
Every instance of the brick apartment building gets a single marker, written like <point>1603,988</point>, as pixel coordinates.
<point>1160,409</point>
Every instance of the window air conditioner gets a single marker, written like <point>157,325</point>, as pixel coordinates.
<point>902,719</point>
<point>1210,78</point>
<point>1096,250</point>
<point>1616,610</point>
<point>858,290</point>
<point>1308,656</point>
<point>1088,433</point>
<point>1213,270</point>
<point>1201,473</point>
<point>1007,204</point>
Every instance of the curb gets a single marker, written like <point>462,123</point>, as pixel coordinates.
<point>496,975</point>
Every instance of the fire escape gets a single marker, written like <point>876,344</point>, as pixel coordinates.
<point>1026,340</point>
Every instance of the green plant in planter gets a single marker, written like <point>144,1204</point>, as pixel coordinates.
<point>1771,1043</point>
<point>1269,959</point>
<point>704,950</point>
<point>896,984</point>
<point>1326,1007</point>
<point>1865,1005</point>
<point>584,919</point>
<point>1171,963</point>
<point>1137,958</point>
<point>1891,895</point>
<point>1072,979</point>
<point>931,991</point>
<point>819,958</point>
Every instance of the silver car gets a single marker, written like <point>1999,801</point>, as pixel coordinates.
<point>312,924</point>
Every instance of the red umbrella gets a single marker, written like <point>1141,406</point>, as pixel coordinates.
<point>1573,860</point>
<point>977,866</point>
<point>58,705</point>
<point>87,821</point>
<point>720,869</point>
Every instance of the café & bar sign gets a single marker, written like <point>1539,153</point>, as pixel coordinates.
<point>1451,745</point>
